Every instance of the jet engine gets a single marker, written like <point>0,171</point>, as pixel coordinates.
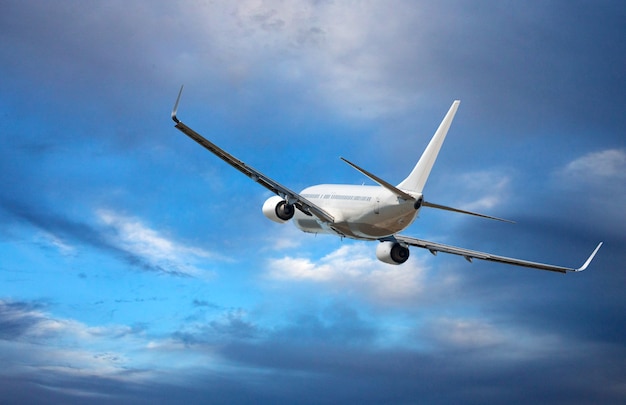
<point>392,252</point>
<point>277,209</point>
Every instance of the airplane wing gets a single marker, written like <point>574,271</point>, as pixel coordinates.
<point>290,196</point>
<point>434,248</point>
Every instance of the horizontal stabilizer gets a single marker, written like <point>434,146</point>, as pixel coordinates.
<point>383,183</point>
<point>443,207</point>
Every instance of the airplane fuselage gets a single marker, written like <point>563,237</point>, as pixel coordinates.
<point>360,212</point>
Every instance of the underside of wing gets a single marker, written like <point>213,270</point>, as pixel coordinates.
<point>469,255</point>
<point>290,196</point>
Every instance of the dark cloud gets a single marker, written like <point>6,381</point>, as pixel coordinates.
<point>317,360</point>
<point>18,318</point>
<point>357,373</point>
<point>338,322</point>
<point>524,62</point>
<point>204,304</point>
<point>295,363</point>
<point>54,388</point>
<point>231,325</point>
<point>77,46</point>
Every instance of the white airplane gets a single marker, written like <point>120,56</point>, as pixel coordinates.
<point>366,212</point>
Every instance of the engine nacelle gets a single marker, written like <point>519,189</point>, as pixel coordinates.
<point>392,252</point>
<point>277,209</point>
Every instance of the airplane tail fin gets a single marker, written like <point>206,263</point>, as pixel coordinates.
<point>417,179</point>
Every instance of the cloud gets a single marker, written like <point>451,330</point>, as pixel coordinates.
<point>335,350</point>
<point>162,253</point>
<point>48,239</point>
<point>596,185</point>
<point>488,188</point>
<point>17,318</point>
<point>354,268</point>
<point>54,228</point>
<point>349,355</point>
<point>333,44</point>
<point>50,357</point>
<point>289,238</point>
<point>484,191</point>
<point>31,338</point>
<point>465,333</point>
<point>125,237</point>
<point>229,325</point>
<point>600,166</point>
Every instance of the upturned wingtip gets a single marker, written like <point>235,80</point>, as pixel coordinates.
<point>593,254</point>
<point>175,109</point>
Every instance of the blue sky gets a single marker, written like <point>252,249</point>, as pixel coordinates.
<point>135,267</point>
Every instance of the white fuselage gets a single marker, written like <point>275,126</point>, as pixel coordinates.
<point>360,212</point>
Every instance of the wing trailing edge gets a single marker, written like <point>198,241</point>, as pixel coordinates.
<point>468,254</point>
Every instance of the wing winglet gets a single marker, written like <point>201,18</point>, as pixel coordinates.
<point>175,109</point>
<point>584,266</point>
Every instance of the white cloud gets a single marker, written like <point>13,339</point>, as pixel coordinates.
<point>492,188</point>
<point>131,235</point>
<point>606,164</point>
<point>288,238</point>
<point>598,180</point>
<point>58,243</point>
<point>480,191</point>
<point>354,268</point>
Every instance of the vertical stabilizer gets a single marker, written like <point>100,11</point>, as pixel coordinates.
<point>417,179</point>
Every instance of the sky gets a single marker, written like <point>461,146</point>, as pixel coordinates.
<point>136,267</point>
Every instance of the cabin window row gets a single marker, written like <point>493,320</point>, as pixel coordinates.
<point>337,197</point>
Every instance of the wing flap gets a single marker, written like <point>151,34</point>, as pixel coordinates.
<point>468,254</point>
<point>289,195</point>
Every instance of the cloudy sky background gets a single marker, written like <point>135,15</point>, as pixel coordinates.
<point>135,267</point>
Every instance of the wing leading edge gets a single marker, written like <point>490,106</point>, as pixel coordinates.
<point>435,247</point>
<point>289,195</point>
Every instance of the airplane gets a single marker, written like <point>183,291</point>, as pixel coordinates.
<point>367,212</point>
